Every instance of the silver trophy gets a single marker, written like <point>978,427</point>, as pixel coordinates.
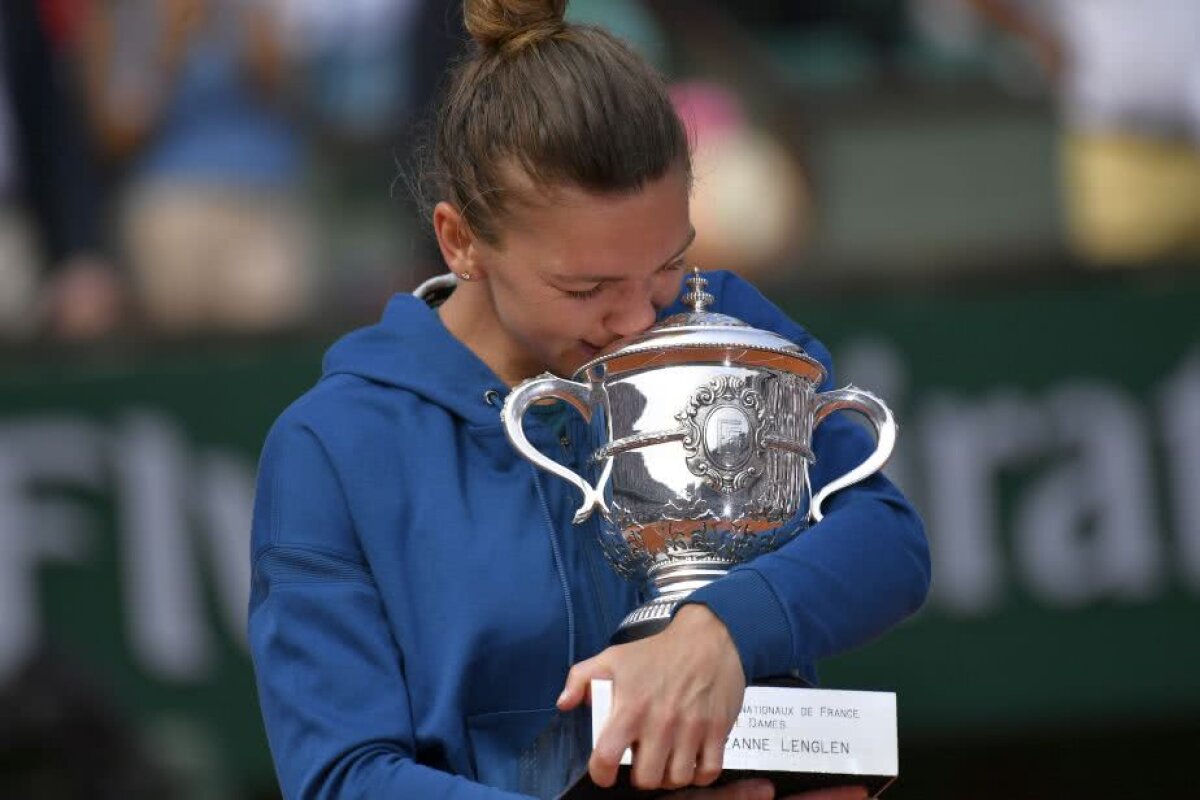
<point>701,432</point>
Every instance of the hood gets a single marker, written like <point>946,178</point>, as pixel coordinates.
<point>410,348</point>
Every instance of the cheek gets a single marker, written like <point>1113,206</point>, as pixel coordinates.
<point>551,323</point>
<point>668,288</point>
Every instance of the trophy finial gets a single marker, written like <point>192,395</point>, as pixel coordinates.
<point>697,298</point>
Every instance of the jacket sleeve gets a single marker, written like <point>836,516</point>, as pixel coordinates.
<point>844,581</point>
<point>330,676</point>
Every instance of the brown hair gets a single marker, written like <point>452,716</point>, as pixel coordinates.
<point>567,104</point>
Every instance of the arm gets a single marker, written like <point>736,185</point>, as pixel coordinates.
<point>1008,16</point>
<point>125,120</point>
<point>846,580</point>
<point>330,677</point>
<point>263,53</point>
<point>1013,19</point>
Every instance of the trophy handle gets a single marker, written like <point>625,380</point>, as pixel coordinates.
<point>577,395</point>
<point>882,421</point>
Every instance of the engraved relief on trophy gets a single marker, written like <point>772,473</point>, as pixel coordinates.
<point>725,422</point>
<point>727,437</point>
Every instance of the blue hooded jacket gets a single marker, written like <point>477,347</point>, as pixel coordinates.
<point>419,591</point>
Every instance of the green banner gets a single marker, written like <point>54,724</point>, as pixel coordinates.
<point>1051,438</point>
<point>126,486</point>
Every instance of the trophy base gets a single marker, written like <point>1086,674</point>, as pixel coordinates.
<point>798,738</point>
<point>670,583</point>
<point>646,620</point>
<point>786,784</point>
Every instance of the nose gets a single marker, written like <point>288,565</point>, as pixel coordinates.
<point>632,311</point>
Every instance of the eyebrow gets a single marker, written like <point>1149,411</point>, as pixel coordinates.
<point>691,237</point>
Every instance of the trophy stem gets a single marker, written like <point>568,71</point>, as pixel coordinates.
<point>671,581</point>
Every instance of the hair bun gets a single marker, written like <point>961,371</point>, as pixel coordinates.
<point>512,24</point>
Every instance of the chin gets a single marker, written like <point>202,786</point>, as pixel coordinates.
<point>569,365</point>
<point>566,363</point>
<point>567,369</point>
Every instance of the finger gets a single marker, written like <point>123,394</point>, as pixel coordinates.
<point>579,681</point>
<point>615,737</point>
<point>620,731</point>
<point>752,789</point>
<point>651,757</point>
<point>679,771</point>
<point>836,793</point>
<point>712,756</point>
<point>604,765</point>
<point>685,756</point>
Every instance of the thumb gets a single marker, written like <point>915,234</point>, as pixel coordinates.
<point>837,793</point>
<point>579,681</point>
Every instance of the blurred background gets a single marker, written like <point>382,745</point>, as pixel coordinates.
<point>989,209</point>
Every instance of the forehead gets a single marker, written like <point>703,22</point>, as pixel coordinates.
<point>568,229</point>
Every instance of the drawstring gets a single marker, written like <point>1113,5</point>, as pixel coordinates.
<point>558,564</point>
<point>492,398</point>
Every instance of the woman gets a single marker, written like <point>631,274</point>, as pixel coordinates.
<point>425,619</point>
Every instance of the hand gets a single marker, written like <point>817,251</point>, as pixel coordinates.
<point>83,300</point>
<point>738,790</point>
<point>183,16</point>
<point>181,20</point>
<point>675,697</point>
<point>1048,51</point>
<point>762,790</point>
<point>836,793</point>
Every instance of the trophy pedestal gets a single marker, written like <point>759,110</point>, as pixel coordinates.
<point>801,739</point>
<point>646,620</point>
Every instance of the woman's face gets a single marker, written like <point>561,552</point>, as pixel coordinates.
<point>578,270</point>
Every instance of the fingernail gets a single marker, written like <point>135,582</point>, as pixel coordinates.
<point>762,790</point>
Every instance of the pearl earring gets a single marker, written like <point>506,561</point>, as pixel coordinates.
<point>466,276</point>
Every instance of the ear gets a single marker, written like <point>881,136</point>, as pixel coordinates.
<point>456,240</point>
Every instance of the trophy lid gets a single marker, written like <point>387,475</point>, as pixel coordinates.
<point>700,336</point>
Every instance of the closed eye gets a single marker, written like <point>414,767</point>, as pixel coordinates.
<point>585,293</point>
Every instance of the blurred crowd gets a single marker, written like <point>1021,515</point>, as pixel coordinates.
<point>191,166</point>
<point>157,157</point>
